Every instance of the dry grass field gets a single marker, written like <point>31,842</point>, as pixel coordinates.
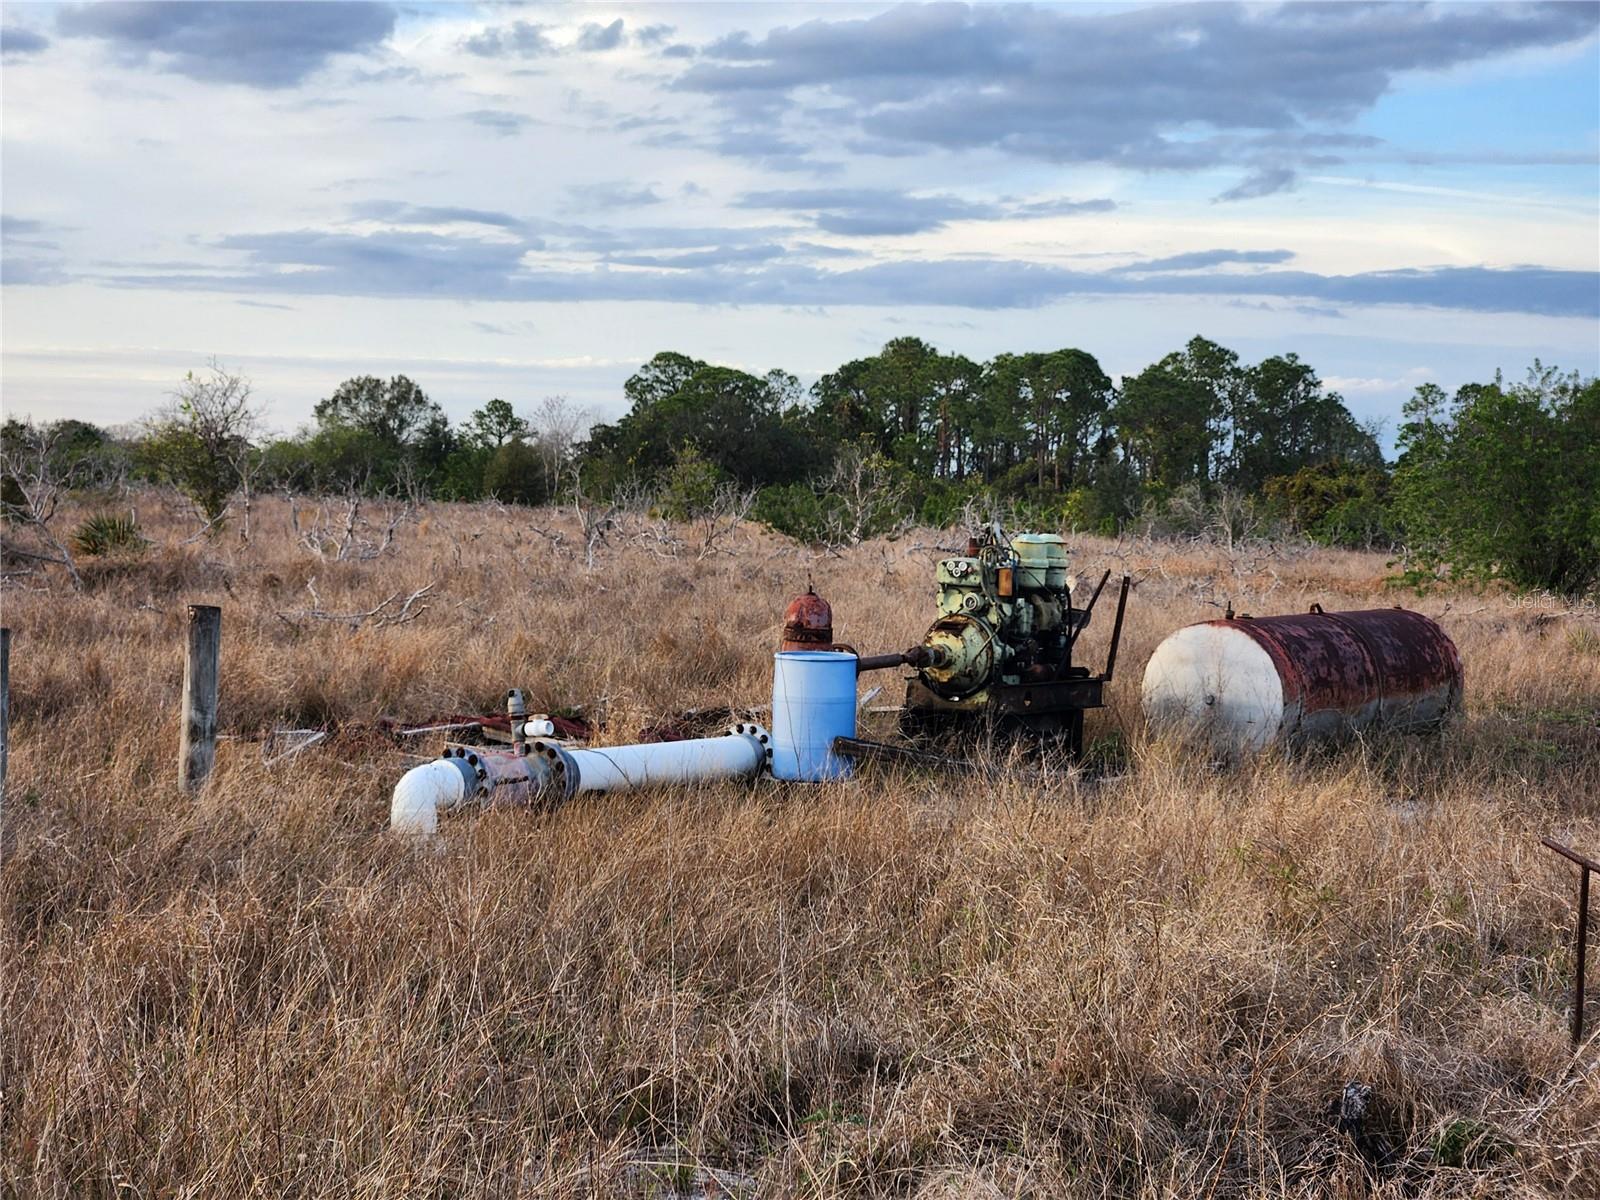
<point>1153,980</point>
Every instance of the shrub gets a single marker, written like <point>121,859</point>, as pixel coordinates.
<point>1336,503</point>
<point>1503,483</point>
<point>107,533</point>
<point>691,486</point>
<point>515,474</point>
<point>793,509</point>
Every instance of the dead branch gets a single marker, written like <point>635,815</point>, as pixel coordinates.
<point>595,519</point>
<point>381,615</point>
<point>726,512</point>
<point>27,460</point>
<point>309,738</point>
<point>349,536</point>
<point>207,528</point>
<point>556,537</point>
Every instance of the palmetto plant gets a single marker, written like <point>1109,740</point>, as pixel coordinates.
<point>107,533</point>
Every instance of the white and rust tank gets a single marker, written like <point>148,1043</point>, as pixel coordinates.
<point>1246,684</point>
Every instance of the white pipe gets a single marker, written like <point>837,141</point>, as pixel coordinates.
<point>426,791</point>
<point>740,752</point>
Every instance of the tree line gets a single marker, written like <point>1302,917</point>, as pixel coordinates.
<point>1048,431</point>
<point>1499,481</point>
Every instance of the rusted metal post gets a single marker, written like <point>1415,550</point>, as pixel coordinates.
<point>1116,629</point>
<point>1581,949</point>
<point>1582,953</point>
<point>1087,610</point>
<point>197,744</point>
<point>5,713</point>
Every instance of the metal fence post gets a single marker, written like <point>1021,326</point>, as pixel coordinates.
<point>197,744</point>
<point>1581,940</point>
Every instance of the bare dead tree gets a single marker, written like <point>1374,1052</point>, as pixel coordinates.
<point>556,537</point>
<point>408,488</point>
<point>984,511</point>
<point>37,484</point>
<point>247,465</point>
<point>596,518</point>
<point>654,533</point>
<point>558,423</point>
<point>869,500</point>
<point>348,535</point>
<point>729,506</point>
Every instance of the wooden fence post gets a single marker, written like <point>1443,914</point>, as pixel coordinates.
<point>197,744</point>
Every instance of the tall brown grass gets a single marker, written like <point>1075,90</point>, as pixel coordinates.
<point>1152,982</point>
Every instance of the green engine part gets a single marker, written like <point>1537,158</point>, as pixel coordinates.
<point>1001,610</point>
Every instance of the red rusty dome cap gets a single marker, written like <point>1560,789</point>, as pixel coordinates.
<point>807,623</point>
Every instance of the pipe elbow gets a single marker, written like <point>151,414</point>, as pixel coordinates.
<point>423,793</point>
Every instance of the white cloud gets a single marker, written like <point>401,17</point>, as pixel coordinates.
<point>592,162</point>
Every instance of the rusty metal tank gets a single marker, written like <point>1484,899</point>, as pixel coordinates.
<point>807,623</point>
<point>1246,684</point>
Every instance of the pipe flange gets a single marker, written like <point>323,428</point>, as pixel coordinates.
<point>563,771</point>
<point>752,729</point>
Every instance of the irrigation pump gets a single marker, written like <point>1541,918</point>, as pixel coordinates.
<point>1002,644</point>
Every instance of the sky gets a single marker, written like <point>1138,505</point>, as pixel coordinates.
<point>529,200</point>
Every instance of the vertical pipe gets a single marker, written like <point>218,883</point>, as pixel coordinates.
<point>197,744</point>
<point>517,713</point>
<point>5,713</point>
<point>1583,950</point>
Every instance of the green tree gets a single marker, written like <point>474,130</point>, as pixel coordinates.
<point>749,427</point>
<point>1216,371</point>
<point>515,474</point>
<point>663,376</point>
<point>1000,427</point>
<point>847,409</point>
<point>379,435</point>
<point>902,381</point>
<point>1505,483</point>
<point>691,486</point>
<point>1166,424</point>
<point>1288,421</point>
<point>395,411</point>
<point>201,442</point>
<point>952,414</point>
<point>1066,395</point>
<point>1337,503</point>
<point>908,402</point>
<point>495,424</point>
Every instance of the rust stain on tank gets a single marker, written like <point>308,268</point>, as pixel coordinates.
<point>807,623</point>
<point>1373,661</point>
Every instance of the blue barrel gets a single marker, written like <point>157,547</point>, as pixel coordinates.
<point>813,702</point>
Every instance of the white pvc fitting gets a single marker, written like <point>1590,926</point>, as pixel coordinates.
<point>423,793</point>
